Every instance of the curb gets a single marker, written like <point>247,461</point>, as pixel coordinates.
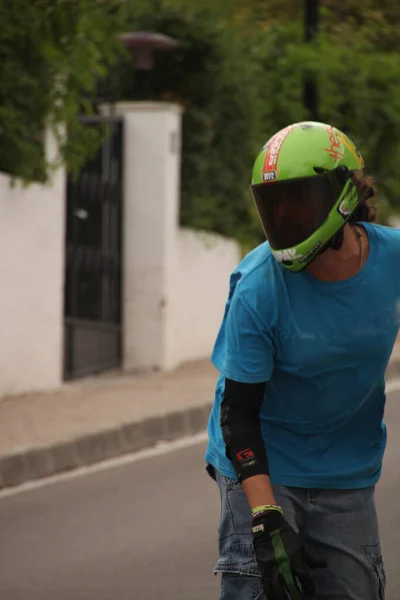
<point>37,463</point>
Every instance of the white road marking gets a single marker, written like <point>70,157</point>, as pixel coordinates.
<point>126,459</point>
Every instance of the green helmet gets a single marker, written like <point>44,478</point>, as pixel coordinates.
<point>304,189</point>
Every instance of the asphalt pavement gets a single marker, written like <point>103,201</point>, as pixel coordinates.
<point>143,531</point>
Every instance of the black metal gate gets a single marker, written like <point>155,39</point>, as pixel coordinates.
<point>93,283</point>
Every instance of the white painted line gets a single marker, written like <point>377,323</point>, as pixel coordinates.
<point>126,459</point>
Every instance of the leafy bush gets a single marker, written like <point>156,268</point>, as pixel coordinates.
<point>52,55</point>
<point>238,73</point>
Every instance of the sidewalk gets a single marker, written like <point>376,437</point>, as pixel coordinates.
<point>104,417</point>
<point>98,418</point>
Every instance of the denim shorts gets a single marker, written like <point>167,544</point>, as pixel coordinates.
<point>339,526</point>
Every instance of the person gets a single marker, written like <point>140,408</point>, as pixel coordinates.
<point>296,434</point>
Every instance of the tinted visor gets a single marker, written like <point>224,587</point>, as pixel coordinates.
<point>291,211</point>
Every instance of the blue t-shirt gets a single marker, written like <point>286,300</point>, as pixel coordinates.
<point>323,348</point>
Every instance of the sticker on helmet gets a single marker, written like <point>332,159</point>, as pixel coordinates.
<point>290,254</point>
<point>306,257</point>
<point>349,202</point>
<point>269,176</point>
<point>284,255</point>
<point>353,149</point>
<point>344,208</point>
<point>335,149</point>
<point>273,148</point>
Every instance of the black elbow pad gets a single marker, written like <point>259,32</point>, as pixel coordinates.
<point>240,426</point>
<point>226,434</point>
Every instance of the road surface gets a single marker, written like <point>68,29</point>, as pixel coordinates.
<point>143,531</point>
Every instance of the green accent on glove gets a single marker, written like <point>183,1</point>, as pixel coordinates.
<point>265,507</point>
<point>284,566</point>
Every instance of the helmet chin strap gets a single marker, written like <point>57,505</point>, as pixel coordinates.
<point>337,240</point>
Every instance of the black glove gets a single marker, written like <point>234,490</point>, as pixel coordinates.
<point>284,562</point>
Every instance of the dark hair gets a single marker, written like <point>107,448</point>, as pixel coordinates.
<point>366,210</point>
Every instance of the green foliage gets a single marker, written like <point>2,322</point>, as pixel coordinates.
<point>222,74</point>
<point>358,79</point>
<point>52,55</point>
<point>238,73</point>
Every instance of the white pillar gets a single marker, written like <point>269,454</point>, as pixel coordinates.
<point>152,133</point>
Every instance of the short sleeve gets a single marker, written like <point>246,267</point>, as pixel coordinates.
<point>248,355</point>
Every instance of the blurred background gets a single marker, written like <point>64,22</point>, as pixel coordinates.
<point>241,72</point>
<point>133,126</point>
<point>128,131</point>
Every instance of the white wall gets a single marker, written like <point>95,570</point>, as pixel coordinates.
<point>175,280</point>
<point>32,279</point>
<point>199,286</point>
